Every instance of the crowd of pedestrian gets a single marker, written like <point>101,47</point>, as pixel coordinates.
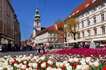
<point>16,48</point>
<point>9,47</point>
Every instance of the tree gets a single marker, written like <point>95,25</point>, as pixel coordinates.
<point>71,26</point>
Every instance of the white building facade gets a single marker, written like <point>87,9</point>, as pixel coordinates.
<point>91,26</point>
<point>43,38</point>
<point>46,38</point>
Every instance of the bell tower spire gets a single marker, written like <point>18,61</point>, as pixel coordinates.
<point>37,24</point>
<point>37,20</point>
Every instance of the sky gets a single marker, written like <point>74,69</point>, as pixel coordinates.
<point>51,11</point>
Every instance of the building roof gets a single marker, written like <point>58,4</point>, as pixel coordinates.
<point>56,26</point>
<point>84,6</point>
<point>53,28</point>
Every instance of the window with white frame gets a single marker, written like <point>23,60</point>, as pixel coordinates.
<point>83,34</point>
<point>94,18</point>
<point>99,7</point>
<point>88,32</point>
<point>68,34</point>
<point>95,31</point>
<point>102,16</point>
<point>86,13</point>
<point>91,11</point>
<point>103,29</point>
<point>82,22</point>
<point>78,35</point>
<point>88,21</point>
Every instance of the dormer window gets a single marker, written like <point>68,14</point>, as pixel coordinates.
<point>87,5</point>
<point>99,7</point>
<point>77,11</point>
<point>73,14</point>
<point>93,1</point>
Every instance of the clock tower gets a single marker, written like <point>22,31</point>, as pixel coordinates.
<point>37,24</point>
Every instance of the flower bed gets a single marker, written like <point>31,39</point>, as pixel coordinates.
<point>81,51</point>
<point>62,59</point>
<point>52,62</point>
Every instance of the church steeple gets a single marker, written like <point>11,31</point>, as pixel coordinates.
<point>37,25</point>
<point>37,20</point>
